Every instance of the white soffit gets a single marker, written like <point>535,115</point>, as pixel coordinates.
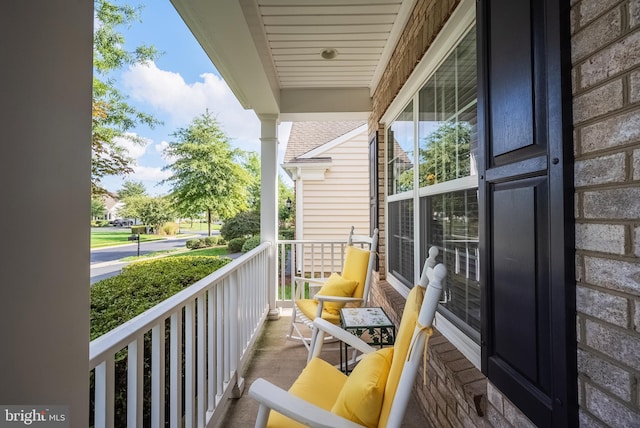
<point>270,52</point>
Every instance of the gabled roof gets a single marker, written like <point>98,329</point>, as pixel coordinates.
<point>309,135</point>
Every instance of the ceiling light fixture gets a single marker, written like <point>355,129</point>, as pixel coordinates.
<point>329,53</point>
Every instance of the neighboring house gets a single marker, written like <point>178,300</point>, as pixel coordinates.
<point>537,214</point>
<point>112,206</point>
<point>329,164</point>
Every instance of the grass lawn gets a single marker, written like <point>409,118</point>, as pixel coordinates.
<point>213,251</point>
<point>105,239</point>
<point>187,226</point>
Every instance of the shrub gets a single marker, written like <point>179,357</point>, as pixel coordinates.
<point>209,241</point>
<point>139,287</point>
<point>287,234</point>
<point>169,228</point>
<point>141,228</point>
<point>250,244</point>
<point>242,225</point>
<point>194,244</point>
<point>235,245</point>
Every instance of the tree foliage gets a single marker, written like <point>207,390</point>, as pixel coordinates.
<point>243,225</point>
<point>112,115</point>
<point>131,189</point>
<point>208,174</point>
<point>97,207</point>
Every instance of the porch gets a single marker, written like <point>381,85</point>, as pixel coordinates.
<point>189,360</point>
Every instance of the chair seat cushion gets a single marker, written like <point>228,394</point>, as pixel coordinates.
<point>336,286</point>
<point>309,307</point>
<point>319,384</point>
<point>360,399</point>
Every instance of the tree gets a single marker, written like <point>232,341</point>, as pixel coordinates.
<point>112,116</point>
<point>155,212</point>
<point>207,175</point>
<point>252,165</point>
<point>97,207</point>
<point>130,189</point>
<point>445,154</point>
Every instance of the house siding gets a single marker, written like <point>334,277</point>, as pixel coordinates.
<point>341,200</point>
<point>331,206</point>
<point>605,55</point>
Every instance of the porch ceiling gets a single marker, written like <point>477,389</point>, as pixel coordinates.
<point>270,52</point>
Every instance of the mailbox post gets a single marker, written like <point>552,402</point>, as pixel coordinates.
<point>135,237</point>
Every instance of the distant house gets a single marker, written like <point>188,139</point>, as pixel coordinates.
<point>328,162</point>
<point>113,207</point>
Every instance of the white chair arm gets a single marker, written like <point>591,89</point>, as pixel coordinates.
<point>343,335</point>
<point>295,408</point>
<point>310,280</point>
<point>337,298</point>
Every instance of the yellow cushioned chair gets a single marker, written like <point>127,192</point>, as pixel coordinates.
<point>349,287</point>
<point>377,392</point>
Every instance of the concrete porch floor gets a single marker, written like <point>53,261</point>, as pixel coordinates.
<point>280,361</point>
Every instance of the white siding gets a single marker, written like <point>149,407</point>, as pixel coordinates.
<point>341,200</point>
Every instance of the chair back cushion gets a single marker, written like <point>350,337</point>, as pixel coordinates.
<point>337,286</point>
<point>360,399</point>
<point>356,262</point>
<point>401,348</point>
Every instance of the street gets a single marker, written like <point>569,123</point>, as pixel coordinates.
<point>104,261</point>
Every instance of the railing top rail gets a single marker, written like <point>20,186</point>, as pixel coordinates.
<point>312,241</point>
<point>122,335</point>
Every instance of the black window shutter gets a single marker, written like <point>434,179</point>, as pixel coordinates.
<point>526,207</point>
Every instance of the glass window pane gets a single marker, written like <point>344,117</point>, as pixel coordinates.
<point>450,222</point>
<point>401,241</point>
<point>447,132</point>
<point>400,152</point>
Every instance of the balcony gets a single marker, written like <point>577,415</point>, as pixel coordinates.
<point>179,363</point>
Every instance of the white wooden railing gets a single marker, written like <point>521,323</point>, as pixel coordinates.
<point>210,327</point>
<point>306,258</point>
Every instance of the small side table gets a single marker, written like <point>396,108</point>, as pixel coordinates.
<point>370,324</point>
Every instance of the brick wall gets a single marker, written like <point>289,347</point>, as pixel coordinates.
<point>606,86</point>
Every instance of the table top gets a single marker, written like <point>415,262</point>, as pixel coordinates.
<point>365,317</point>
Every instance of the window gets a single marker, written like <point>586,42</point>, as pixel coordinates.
<point>436,203</point>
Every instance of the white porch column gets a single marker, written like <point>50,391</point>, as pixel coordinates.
<point>269,200</point>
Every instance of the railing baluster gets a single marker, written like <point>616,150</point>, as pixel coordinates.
<point>189,366</point>
<point>157,375</point>
<point>211,354</point>
<point>104,393</point>
<point>175,379</point>
<point>234,327</point>
<point>219,339</point>
<point>135,382</point>
<point>200,361</point>
<point>226,329</point>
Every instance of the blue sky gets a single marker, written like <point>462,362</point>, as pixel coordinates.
<point>177,87</point>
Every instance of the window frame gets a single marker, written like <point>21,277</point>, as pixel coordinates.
<point>461,22</point>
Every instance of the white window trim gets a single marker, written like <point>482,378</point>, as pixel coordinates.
<point>462,19</point>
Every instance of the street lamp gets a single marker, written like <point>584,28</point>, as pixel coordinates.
<point>288,203</point>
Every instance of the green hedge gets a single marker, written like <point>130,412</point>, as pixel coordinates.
<point>235,245</point>
<point>250,244</point>
<point>143,285</point>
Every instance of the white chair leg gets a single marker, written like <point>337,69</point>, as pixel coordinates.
<point>263,416</point>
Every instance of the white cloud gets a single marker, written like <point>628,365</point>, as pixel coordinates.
<point>149,173</point>
<point>168,92</point>
<point>136,146</point>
